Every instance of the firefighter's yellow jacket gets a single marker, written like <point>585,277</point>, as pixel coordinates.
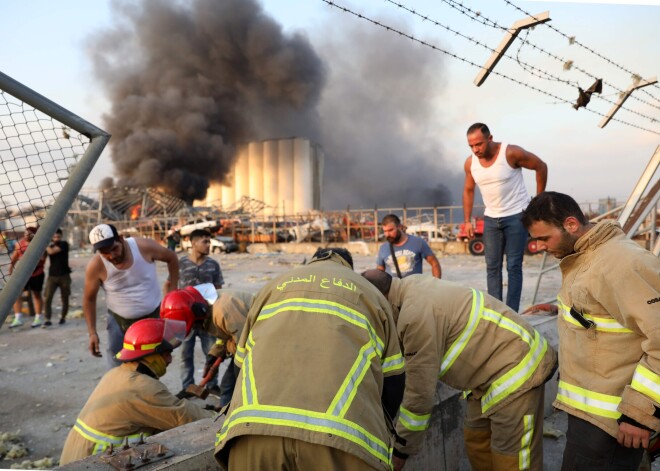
<point>314,352</point>
<point>227,320</point>
<point>612,367</point>
<point>468,340</point>
<point>126,403</point>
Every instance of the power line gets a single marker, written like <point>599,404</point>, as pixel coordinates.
<point>467,61</point>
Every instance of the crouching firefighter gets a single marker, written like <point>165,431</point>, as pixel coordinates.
<point>130,401</point>
<point>476,343</point>
<point>321,369</point>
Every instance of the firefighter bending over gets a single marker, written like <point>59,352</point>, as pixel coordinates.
<point>475,343</point>
<point>321,368</point>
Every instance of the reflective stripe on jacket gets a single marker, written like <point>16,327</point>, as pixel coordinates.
<point>126,403</point>
<point>103,441</point>
<point>313,354</point>
<point>467,339</point>
<point>613,366</point>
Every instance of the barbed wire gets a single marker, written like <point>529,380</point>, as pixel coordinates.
<point>572,40</point>
<point>469,62</point>
<point>539,72</point>
<point>480,18</point>
<point>523,66</point>
<point>475,15</point>
<point>529,68</point>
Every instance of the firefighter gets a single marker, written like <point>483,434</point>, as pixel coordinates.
<point>608,327</point>
<point>224,320</point>
<point>475,343</point>
<point>321,369</point>
<point>130,401</point>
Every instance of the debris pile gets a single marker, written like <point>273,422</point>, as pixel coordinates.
<point>12,448</point>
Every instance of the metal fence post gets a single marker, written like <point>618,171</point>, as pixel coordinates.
<point>55,215</point>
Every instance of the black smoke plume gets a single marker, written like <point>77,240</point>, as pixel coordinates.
<point>381,115</point>
<point>189,80</point>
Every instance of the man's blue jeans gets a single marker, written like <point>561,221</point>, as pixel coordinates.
<point>505,236</point>
<point>188,356</point>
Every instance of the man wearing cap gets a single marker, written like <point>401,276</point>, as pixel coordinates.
<point>130,401</point>
<point>126,270</point>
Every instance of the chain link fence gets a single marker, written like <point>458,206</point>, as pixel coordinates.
<point>46,154</point>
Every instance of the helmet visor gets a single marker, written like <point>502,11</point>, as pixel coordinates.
<point>174,332</point>
<point>208,292</point>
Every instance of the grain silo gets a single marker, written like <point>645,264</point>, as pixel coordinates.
<point>285,174</point>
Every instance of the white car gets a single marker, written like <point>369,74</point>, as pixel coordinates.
<point>220,244</point>
<point>199,224</point>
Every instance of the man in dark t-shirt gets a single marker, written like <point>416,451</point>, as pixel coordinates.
<point>58,275</point>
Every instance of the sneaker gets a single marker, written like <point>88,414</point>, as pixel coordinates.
<point>15,323</point>
<point>47,324</point>
<point>62,321</point>
<point>37,322</point>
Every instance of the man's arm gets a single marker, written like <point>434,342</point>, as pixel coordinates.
<point>520,158</point>
<point>92,285</point>
<point>435,266</point>
<point>15,255</point>
<point>421,349</point>
<point>430,257</point>
<point>381,257</point>
<point>468,197</point>
<point>218,280</point>
<point>52,249</point>
<point>636,280</point>
<point>152,251</point>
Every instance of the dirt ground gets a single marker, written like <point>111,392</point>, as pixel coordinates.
<point>47,374</point>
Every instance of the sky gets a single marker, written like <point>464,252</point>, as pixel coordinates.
<point>45,45</point>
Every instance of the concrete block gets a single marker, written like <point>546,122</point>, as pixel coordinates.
<point>192,444</point>
<point>442,448</point>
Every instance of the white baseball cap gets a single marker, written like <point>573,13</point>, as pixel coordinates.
<point>103,235</point>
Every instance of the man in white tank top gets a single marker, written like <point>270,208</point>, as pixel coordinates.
<point>496,168</point>
<point>126,270</point>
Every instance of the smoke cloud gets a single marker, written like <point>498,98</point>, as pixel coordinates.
<point>189,80</point>
<point>380,120</point>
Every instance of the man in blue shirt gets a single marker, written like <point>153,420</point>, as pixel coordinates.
<point>408,250</point>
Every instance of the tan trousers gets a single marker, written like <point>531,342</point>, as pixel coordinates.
<point>266,453</point>
<point>510,439</point>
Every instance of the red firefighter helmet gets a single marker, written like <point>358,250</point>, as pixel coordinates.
<point>149,336</point>
<point>197,296</point>
<point>185,305</point>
